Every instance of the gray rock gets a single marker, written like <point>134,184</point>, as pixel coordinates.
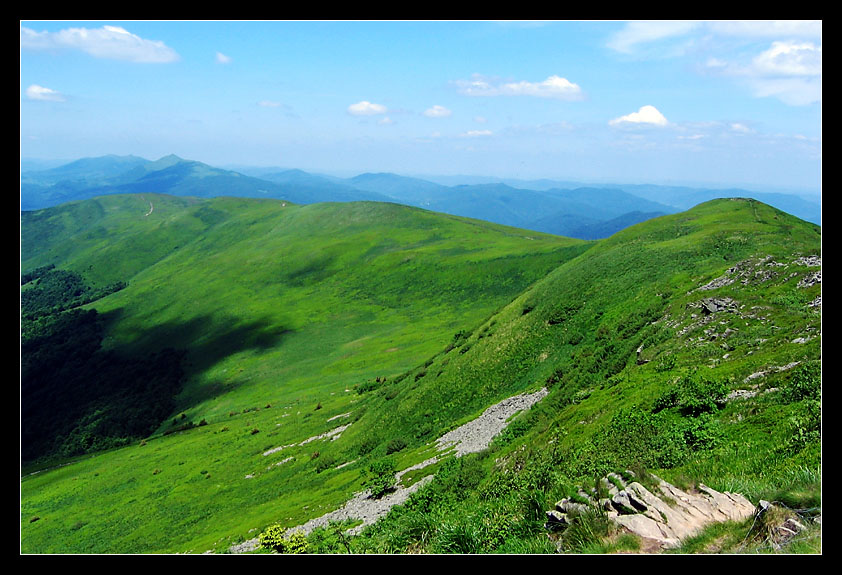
<point>568,506</point>
<point>672,514</point>
<point>557,518</point>
<point>622,503</point>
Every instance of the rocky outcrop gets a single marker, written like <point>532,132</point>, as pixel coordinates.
<point>666,516</point>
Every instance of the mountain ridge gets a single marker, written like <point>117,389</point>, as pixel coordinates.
<point>550,208</point>
<point>636,337</point>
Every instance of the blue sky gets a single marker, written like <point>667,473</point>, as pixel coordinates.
<point>731,103</point>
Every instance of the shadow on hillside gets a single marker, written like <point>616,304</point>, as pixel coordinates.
<point>207,339</point>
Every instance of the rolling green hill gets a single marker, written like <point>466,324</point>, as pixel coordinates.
<point>689,345</point>
<point>276,305</point>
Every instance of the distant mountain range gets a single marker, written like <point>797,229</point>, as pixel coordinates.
<point>556,207</point>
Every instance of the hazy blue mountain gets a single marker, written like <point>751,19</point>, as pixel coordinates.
<point>552,206</point>
<point>90,177</point>
<point>606,229</point>
<point>401,189</point>
<point>539,185</point>
<point>554,210</point>
<point>684,198</point>
<point>87,171</point>
<point>607,203</point>
<point>304,188</point>
<point>498,203</point>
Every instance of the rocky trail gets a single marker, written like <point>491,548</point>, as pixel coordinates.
<point>472,437</point>
<point>662,515</point>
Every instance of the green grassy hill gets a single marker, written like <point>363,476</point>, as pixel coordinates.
<point>689,345</point>
<point>276,305</point>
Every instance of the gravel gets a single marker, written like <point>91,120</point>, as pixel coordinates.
<point>472,437</point>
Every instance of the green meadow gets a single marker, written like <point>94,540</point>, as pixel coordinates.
<point>283,310</point>
<point>391,325</point>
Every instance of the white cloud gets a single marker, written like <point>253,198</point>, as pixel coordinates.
<point>222,58</point>
<point>269,104</point>
<point>366,108</point>
<point>788,70</point>
<point>553,87</point>
<point>648,115</point>
<point>634,35</point>
<point>386,121</point>
<point>792,91</point>
<point>36,92</point>
<point>741,128</point>
<point>637,33</point>
<point>766,28</point>
<point>790,59</point>
<point>111,42</point>
<point>437,112</point>
<point>478,133</point>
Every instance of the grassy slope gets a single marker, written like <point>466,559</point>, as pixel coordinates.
<point>283,309</point>
<point>607,299</point>
<point>578,331</point>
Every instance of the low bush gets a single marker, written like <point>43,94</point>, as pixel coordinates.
<point>380,477</point>
<point>276,539</point>
<point>693,395</point>
<point>395,445</point>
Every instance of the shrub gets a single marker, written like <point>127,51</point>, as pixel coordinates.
<point>275,538</point>
<point>693,395</point>
<point>805,426</point>
<point>395,445</point>
<point>330,538</point>
<point>324,462</point>
<point>380,477</point>
<point>665,363</point>
<point>805,383</point>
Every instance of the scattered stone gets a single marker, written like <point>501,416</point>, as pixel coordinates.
<point>718,304</point>
<point>809,261</point>
<point>719,282</point>
<point>810,279</point>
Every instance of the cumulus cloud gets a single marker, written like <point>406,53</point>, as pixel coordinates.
<point>437,112</point>
<point>111,42</point>
<point>646,115</point>
<point>790,59</point>
<point>553,87</point>
<point>366,108</point>
<point>222,58</point>
<point>36,92</point>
